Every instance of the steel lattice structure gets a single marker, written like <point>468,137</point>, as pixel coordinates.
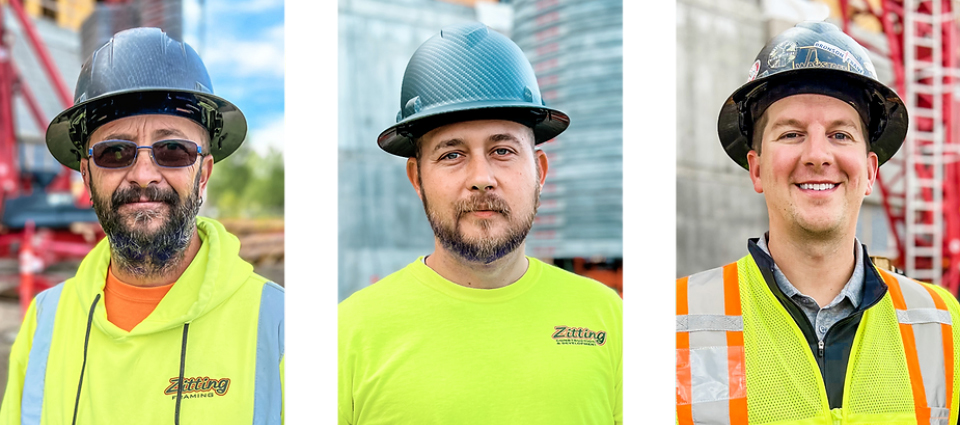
<point>920,186</point>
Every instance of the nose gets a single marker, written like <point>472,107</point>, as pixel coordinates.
<point>816,151</point>
<point>144,170</point>
<point>481,174</point>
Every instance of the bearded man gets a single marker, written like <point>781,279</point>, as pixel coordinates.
<point>477,332</point>
<point>163,322</point>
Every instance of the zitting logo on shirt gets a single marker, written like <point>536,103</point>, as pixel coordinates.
<point>578,336</point>
<point>198,387</point>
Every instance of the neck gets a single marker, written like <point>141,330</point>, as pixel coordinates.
<point>169,276</point>
<point>502,272</point>
<point>818,268</point>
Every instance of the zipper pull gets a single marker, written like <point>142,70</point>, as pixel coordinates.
<point>820,348</point>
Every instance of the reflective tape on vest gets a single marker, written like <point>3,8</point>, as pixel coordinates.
<point>711,384</point>
<point>925,322</point>
<point>31,404</point>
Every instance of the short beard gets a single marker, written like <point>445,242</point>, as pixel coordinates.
<point>137,252</point>
<point>484,250</point>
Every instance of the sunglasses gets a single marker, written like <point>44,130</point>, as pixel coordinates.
<point>173,153</point>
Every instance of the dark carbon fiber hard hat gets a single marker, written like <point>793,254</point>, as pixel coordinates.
<point>143,71</point>
<point>468,72</point>
<point>814,58</point>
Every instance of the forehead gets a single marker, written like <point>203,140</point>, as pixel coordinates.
<point>478,131</point>
<point>149,128</point>
<point>807,108</point>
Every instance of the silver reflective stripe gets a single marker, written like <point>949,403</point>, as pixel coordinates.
<point>267,398</point>
<point>705,298</point>
<point>925,319</point>
<point>709,322</point>
<point>939,416</point>
<point>709,374</point>
<point>924,315</point>
<point>713,413</point>
<point>33,383</point>
<point>707,325</point>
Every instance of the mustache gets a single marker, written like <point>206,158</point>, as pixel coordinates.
<point>482,202</point>
<point>150,193</point>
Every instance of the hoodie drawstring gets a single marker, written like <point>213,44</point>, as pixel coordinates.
<point>86,341</point>
<point>183,358</point>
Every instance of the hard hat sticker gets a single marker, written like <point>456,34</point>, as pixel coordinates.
<point>782,54</point>
<point>753,71</point>
<point>845,55</point>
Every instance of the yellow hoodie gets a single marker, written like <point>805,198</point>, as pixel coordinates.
<point>219,331</point>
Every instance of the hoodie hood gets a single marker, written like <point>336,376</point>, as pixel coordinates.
<point>213,276</point>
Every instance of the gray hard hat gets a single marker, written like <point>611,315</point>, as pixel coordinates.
<point>814,58</point>
<point>468,72</point>
<point>144,71</point>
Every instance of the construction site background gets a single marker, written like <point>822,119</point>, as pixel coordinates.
<point>576,51</point>
<point>717,208</point>
<point>246,193</point>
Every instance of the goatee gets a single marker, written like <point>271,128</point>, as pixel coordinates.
<point>484,249</point>
<point>134,249</point>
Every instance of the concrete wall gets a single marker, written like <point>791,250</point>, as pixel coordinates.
<point>717,209</point>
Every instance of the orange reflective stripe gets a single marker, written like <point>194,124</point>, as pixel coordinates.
<point>735,356</point>
<point>946,333</point>
<point>684,390</point>
<point>910,349</point>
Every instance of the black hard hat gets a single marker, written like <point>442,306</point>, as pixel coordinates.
<point>468,72</point>
<point>814,58</point>
<point>143,71</point>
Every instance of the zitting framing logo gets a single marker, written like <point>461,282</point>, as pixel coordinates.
<point>565,335</point>
<point>198,387</point>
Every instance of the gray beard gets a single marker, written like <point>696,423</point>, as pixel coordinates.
<point>143,254</point>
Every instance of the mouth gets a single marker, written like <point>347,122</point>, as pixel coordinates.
<point>818,187</point>
<point>483,213</point>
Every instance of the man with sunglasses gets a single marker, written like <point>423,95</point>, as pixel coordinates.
<point>163,322</point>
<point>476,332</point>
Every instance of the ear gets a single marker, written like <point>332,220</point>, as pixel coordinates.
<point>206,170</point>
<point>753,160</point>
<point>413,174</point>
<point>85,172</point>
<point>873,168</point>
<point>542,163</point>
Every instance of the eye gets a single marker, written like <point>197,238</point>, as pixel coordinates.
<point>502,151</point>
<point>790,135</point>
<point>842,136</point>
<point>451,156</point>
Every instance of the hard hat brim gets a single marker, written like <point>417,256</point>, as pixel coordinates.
<point>399,138</point>
<point>66,150</point>
<point>736,144</point>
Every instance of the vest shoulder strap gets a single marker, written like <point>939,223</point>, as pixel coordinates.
<point>711,382</point>
<point>926,329</point>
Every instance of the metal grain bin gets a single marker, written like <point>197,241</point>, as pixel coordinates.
<point>576,49</point>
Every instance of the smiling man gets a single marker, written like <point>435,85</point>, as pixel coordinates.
<point>476,332</point>
<point>805,329</point>
<point>163,322</point>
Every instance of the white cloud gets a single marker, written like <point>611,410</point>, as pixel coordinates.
<point>269,135</point>
<point>248,57</point>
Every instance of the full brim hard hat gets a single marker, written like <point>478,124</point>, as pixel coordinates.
<point>852,71</point>
<point>143,71</point>
<point>468,72</point>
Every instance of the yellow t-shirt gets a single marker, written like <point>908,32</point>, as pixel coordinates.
<point>415,348</point>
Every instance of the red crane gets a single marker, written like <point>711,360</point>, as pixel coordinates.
<point>40,220</point>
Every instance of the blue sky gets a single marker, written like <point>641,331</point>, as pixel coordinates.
<point>243,50</point>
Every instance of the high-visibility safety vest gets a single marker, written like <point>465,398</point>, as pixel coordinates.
<point>741,358</point>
